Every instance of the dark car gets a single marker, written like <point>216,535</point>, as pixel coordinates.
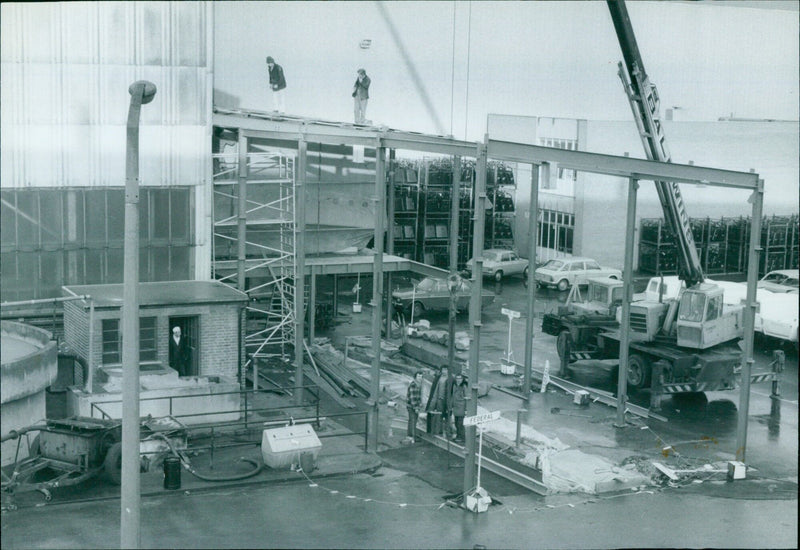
<point>434,294</point>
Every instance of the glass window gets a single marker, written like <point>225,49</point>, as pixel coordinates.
<point>112,342</point>
<point>617,294</point>
<point>555,265</point>
<point>592,265</point>
<point>27,217</point>
<point>160,213</point>
<point>714,308</point>
<point>51,219</point>
<point>692,306</point>
<point>8,220</point>
<point>147,339</point>
<point>576,266</point>
<point>426,284</point>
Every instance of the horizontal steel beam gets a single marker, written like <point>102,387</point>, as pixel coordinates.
<point>327,267</point>
<point>603,396</point>
<point>625,167</point>
<point>424,144</point>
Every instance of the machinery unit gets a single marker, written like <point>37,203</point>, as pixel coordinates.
<point>282,447</point>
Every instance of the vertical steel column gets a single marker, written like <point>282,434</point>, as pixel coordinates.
<point>299,266</point>
<point>627,285</point>
<point>454,205</point>
<point>312,307</point>
<point>533,236</point>
<point>757,199</point>
<point>479,223</point>
<point>390,209</point>
<point>89,381</point>
<point>142,92</point>
<point>377,292</point>
<point>241,215</point>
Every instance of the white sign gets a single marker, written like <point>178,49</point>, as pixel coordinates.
<point>481,418</point>
<point>510,312</point>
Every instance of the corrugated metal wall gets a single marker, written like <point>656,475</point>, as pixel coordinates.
<point>64,77</point>
<point>66,68</point>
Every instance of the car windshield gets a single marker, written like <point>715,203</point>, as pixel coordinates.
<point>555,265</point>
<point>426,285</point>
<point>494,256</point>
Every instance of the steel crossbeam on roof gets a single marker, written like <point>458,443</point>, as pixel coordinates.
<point>622,166</point>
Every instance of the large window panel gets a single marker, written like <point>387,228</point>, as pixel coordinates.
<point>96,216</point>
<point>95,274</point>
<point>115,205</point>
<point>74,218</point>
<point>181,265</point>
<point>8,276</point>
<point>8,221</point>
<point>27,210</point>
<point>161,214</point>
<point>52,273</point>
<point>74,267</point>
<point>115,265</point>
<point>160,262</point>
<point>180,216</point>
<point>52,219</point>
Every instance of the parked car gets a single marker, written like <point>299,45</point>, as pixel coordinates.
<point>781,280</point>
<point>562,273</point>
<point>498,263</point>
<point>434,294</point>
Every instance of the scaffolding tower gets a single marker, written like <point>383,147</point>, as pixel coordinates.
<point>254,219</point>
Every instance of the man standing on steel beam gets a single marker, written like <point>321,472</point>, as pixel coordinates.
<point>277,82</point>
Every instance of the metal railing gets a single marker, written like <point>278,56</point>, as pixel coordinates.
<point>218,429</point>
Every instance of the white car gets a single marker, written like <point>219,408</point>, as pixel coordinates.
<point>781,280</point>
<point>498,263</point>
<point>562,273</point>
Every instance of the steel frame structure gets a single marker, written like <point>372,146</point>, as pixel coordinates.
<point>302,131</point>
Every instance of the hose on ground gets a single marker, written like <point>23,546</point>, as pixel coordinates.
<point>257,466</point>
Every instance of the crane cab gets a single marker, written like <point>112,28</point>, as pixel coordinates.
<point>704,320</point>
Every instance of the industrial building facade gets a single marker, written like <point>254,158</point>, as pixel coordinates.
<point>66,69</point>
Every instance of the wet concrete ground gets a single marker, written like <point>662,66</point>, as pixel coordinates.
<point>403,504</point>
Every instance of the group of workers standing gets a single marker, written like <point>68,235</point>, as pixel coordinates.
<point>277,83</point>
<point>447,401</point>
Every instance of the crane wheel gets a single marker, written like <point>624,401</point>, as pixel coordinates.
<point>638,372</point>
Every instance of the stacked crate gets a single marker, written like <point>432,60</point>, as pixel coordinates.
<point>722,245</point>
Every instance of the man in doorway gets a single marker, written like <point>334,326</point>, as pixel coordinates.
<point>277,83</point>
<point>179,353</point>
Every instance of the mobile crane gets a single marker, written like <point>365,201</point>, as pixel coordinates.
<point>697,352</point>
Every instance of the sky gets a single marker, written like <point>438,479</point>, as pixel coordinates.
<point>441,67</point>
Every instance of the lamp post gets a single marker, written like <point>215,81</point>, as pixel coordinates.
<point>142,92</point>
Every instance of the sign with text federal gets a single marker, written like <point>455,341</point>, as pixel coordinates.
<point>481,418</point>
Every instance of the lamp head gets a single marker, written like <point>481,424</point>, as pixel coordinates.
<point>148,90</point>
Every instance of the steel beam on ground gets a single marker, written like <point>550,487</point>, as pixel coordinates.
<point>493,466</point>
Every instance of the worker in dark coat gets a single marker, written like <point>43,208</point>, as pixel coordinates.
<point>180,356</point>
<point>458,405</point>
<point>437,406</point>
<point>277,83</point>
